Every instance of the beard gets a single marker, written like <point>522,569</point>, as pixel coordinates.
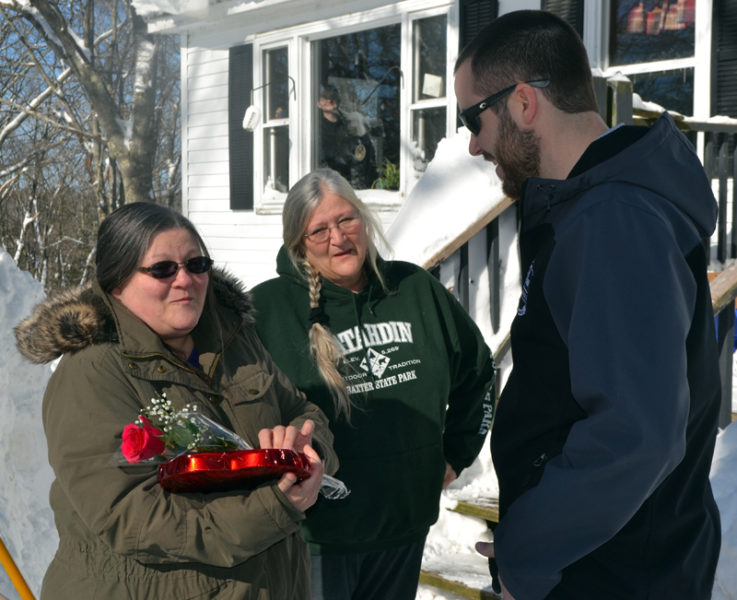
<point>517,153</point>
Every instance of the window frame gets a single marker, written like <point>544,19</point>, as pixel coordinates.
<point>597,29</point>
<point>408,175</point>
<point>270,201</point>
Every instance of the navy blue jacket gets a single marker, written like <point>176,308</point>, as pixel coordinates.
<point>605,431</point>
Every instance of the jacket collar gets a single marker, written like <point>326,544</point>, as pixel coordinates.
<point>660,160</point>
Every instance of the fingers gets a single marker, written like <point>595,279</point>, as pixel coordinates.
<point>310,453</point>
<point>265,438</point>
<point>302,495</point>
<point>307,428</point>
<point>289,437</point>
<point>277,437</point>
<point>485,548</point>
<point>450,475</point>
<point>286,483</point>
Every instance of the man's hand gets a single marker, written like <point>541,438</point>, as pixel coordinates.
<point>450,475</point>
<point>487,549</point>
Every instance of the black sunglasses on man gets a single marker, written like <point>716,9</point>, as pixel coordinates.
<point>470,116</point>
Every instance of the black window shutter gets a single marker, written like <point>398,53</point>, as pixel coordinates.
<point>240,84</point>
<point>724,32</point>
<point>475,14</point>
<point>570,11</point>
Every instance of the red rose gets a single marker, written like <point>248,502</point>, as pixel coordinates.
<point>140,443</point>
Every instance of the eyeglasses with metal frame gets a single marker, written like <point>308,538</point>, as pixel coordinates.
<point>169,268</point>
<point>470,116</point>
<point>346,225</point>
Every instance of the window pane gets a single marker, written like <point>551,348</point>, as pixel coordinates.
<point>356,93</point>
<point>651,30</point>
<point>277,84</point>
<point>429,58</point>
<point>428,128</point>
<point>672,90</point>
<point>276,158</point>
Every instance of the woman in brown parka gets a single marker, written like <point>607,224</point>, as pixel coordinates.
<point>157,321</point>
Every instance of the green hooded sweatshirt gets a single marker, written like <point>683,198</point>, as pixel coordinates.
<point>420,378</point>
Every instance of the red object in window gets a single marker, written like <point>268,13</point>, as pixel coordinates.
<point>636,19</point>
<point>654,21</point>
<point>235,469</point>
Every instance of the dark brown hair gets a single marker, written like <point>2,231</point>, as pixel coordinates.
<point>526,45</point>
<point>125,235</point>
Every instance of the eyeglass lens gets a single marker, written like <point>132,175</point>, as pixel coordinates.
<point>169,268</point>
<point>346,225</point>
<point>472,123</point>
<point>471,117</point>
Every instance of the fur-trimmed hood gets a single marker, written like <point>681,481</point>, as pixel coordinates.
<point>81,317</point>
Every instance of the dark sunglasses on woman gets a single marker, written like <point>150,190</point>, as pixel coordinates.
<point>168,268</point>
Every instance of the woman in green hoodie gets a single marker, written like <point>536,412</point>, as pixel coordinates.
<point>400,369</point>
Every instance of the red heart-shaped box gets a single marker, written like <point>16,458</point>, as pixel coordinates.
<point>234,469</point>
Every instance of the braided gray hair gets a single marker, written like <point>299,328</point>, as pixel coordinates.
<point>301,202</point>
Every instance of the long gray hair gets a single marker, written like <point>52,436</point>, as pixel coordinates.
<point>301,202</point>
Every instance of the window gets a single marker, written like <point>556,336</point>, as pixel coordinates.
<point>276,91</point>
<point>364,93</point>
<point>357,95</point>
<point>670,89</point>
<point>653,43</point>
<point>649,31</point>
<point>428,108</point>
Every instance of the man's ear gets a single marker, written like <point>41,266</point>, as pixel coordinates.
<point>524,104</point>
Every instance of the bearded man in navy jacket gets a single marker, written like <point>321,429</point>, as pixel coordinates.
<point>604,434</point>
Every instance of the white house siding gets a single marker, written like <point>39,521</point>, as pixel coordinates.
<point>241,241</point>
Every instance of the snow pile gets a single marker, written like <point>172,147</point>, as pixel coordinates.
<point>26,522</point>
<point>453,179</point>
<point>451,197</point>
<point>724,484</point>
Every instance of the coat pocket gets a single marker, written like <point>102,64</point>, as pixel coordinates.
<point>250,384</point>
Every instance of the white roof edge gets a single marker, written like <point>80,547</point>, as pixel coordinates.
<point>200,13</point>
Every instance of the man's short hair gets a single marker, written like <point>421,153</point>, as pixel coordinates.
<point>525,45</point>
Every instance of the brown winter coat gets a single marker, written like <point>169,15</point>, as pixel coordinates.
<point>121,535</point>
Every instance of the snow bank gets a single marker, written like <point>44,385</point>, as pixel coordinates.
<point>454,192</point>
<point>26,522</point>
<point>724,484</point>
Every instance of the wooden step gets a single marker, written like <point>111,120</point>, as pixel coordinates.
<point>486,509</point>
<point>466,575</point>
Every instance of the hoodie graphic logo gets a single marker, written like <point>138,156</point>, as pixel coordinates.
<point>375,362</point>
<point>522,307</point>
<point>375,334</point>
